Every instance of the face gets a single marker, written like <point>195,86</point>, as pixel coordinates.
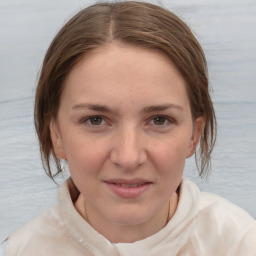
<point>125,128</point>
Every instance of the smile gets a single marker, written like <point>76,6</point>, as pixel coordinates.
<point>129,185</point>
<point>128,189</point>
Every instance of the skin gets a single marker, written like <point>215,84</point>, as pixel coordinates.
<point>124,115</point>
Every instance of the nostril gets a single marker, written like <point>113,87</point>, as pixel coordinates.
<point>128,150</point>
<point>128,160</point>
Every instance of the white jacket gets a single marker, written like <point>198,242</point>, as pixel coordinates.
<point>203,224</point>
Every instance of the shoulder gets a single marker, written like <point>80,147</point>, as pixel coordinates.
<point>235,229</point>
<point>223,225</point>
<point>215,207</point>
<point>225,212</point>
<point>41,230</point>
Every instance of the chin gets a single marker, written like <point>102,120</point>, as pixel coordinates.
<point>130,218</point>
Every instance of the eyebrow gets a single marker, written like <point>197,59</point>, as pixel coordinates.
<point>105,109</point>
<point>95,107</point>
<point>157,108</point>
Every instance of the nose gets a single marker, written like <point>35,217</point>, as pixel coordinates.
<point>128,151</point>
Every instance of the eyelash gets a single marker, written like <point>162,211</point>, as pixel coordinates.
<point>90,118</point>
<point>152,119</point>
<point>164,118</point>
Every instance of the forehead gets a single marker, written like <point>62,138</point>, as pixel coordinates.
<point>120,73</point>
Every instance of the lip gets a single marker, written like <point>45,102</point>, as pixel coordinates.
<point>128,188</point>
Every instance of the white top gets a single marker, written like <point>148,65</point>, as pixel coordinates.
<point>203,224</point>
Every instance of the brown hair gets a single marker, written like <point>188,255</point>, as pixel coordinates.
<point>130,22</point>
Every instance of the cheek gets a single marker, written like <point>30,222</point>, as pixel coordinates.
<point>169,165</point>
<point>85,164</point>
<point>85,156</point>
<point>169,156</point>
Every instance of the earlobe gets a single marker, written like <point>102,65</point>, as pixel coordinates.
<point>57,140</point>
<point>195,136</point>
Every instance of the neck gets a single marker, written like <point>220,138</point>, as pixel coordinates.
<point>121,233</point>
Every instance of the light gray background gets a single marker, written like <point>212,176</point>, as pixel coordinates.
<point>227,32</point>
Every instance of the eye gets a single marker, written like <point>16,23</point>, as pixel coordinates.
<point>94,121</point>
<point>160,121</point>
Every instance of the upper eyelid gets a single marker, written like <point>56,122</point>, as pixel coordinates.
<point>164,116</point>
<point>167,122</point>
<point>91,116</point>
<point>171,119</point>
<point>84,119</point>
<point>106,121</point>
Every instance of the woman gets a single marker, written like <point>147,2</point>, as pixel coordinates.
<point>123,99</point>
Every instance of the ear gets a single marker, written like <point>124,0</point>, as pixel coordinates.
<point>57,140</point>
<point>195,136</point>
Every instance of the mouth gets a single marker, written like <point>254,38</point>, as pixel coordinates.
<point>128,188</point>
<point>124,185</point>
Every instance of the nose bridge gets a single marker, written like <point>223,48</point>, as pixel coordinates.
<point>128,150</point>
